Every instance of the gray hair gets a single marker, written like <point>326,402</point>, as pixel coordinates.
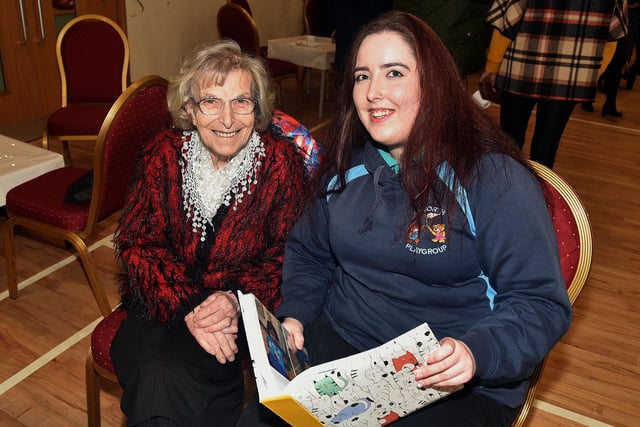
<point>210,64</point>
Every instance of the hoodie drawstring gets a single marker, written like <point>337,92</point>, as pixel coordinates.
<point>368,222</point>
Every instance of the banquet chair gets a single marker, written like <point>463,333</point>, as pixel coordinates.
<point>98,364</point>
<point>234,22</point>
<point>39,205</point>
<point>93,60</point>
<point>573,232</point>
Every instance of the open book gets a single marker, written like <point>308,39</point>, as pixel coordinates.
<point>374,387</point>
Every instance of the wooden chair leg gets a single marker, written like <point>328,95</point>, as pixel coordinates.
<point>10,258</point>
<point>45,139</point>
<point>90,271</point>
<point>92,381</point>
<point>71,237</point>
<point>66,153</point>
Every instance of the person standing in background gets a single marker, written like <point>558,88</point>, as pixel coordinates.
<point>459,23</point>
<point>609,81</point>
<point>548,54</point>
<point>624,49</point>
<point>634,32</point>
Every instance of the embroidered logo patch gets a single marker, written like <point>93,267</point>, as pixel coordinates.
<point>433,228</point>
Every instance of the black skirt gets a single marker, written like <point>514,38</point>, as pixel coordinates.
<point>165,373</point>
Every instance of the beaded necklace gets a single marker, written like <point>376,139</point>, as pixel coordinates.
<point>205,188</point>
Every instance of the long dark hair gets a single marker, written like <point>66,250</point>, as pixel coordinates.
<point>449,126</point>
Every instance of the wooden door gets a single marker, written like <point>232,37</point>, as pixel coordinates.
<point>31,82</point>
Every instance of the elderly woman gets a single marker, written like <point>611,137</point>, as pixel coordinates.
<point>208,213</point>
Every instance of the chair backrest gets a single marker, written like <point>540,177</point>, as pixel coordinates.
<point>135,118</point>
<point>243,4</point>
<point>235,23</point>
<point>93,59</point>
<point>573,232</point>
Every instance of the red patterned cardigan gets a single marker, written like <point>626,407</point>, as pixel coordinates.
<point>168,270</point>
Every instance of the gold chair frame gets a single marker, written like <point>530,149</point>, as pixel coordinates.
<point>581,273</point>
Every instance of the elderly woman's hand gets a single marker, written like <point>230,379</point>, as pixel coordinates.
<point>214,324</point>
<point>218,313</point>
<point>451,364</point>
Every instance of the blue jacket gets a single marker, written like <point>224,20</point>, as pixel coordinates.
<point>498,289</point>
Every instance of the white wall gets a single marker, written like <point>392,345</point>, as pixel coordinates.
<point>277,18</point>
<point>160,32</point>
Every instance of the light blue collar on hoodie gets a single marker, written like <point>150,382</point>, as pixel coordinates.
<point>391,162</point>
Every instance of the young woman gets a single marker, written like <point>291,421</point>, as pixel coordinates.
<point>424,212</point>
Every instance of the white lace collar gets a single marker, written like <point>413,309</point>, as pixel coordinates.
<point>205,189</point>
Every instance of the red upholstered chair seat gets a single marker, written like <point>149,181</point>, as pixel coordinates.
<point>566,233</point>
<point>102,336</point>
<point>42,199</point>
<point>78,119</point>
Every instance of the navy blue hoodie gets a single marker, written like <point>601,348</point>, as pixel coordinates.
<point>498,288</point>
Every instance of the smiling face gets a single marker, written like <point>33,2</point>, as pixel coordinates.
<point>386,92</point>
<point>226,133</point>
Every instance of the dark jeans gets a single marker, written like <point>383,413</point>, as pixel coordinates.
<point>551,119</point>
<point>463,408</point>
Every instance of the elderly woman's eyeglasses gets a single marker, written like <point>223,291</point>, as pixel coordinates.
<point>212,106</point>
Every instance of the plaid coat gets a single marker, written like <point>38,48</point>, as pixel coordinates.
<point>557,45</point>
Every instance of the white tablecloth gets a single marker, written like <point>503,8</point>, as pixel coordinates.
<point>20,162</point>
<point>306,51</point>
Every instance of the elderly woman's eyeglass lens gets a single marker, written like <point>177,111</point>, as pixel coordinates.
<point>212,106</point>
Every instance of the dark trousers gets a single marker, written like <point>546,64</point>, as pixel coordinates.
<point>634,39</point>
<point>551,119</point>
<point>463,408</point>
<point>168,379</point>
<point>613,74</point>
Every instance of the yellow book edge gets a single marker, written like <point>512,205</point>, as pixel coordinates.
<point>290,410</point>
